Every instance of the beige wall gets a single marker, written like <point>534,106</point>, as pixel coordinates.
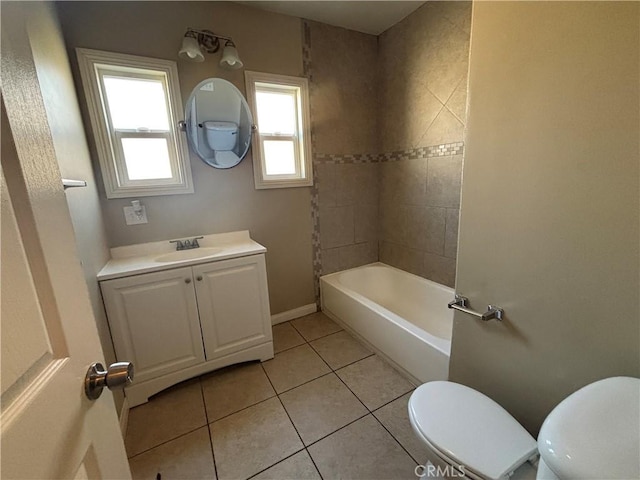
<point>423,62</point>
<point>343,84</point>
<point>549,227</point>
<point>63,115</point>
<point>224,200</point>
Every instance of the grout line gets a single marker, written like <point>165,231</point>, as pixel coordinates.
<point>286,412</point>
<point>314,463</point>
<point>391,401</point>
<point>166,441</point>
<point>243,409</point>
<point>304,383</point>
<point>206,416</point>
<point>338,429</point>
<point>278,462</point>
<point>393,436</point>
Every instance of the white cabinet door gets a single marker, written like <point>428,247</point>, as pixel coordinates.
<point>233,304</point>
<point>154,321</point>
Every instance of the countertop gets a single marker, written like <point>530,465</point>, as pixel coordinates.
<point>143,258</point>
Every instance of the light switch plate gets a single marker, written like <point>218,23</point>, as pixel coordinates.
<point>132,219</point>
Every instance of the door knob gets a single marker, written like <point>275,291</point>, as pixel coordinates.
<point>118,375</point>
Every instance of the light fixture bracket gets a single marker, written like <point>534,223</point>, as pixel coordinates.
<point>208,41</point>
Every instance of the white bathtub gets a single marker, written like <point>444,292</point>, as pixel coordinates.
<point>402,316</point>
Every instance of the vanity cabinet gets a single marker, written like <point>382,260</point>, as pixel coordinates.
<point>181,322</point>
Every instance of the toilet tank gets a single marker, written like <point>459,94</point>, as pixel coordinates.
<point>221,136</point>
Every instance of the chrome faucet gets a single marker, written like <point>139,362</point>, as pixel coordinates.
<point>187,244</point>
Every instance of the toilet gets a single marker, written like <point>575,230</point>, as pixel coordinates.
<point>222,138</point>
<point>593,433</point>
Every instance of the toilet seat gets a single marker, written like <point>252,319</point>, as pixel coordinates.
<point>466,428</point>
<point>226,159</point>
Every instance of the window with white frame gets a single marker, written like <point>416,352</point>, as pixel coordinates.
<point>281,146</point>
<point>134,106</point>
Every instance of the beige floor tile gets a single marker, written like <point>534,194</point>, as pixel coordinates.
<point>168,415</point>
<point>296,467</point>
<point>362,450</point>
<point>186,457</point>
<point>294,367</point>
<point>321,407</point>
<point>315,326</point>
<point>395,417</point>
<point>253,439</point>
<point>340,349</point>
<point>374,381</point>
<point>235,388</point>
<point>285,337</point>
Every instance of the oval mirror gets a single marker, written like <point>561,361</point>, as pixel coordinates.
<point>218,123</point>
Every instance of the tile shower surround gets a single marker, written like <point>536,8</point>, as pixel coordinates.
<point>431,256</point>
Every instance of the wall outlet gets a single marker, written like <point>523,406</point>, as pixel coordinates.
<point>132,218</point>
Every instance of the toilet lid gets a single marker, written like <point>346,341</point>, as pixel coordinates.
<point>469,428</point>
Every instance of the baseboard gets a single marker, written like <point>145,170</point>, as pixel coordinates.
<point>124,417</point>
<point>295,313</point>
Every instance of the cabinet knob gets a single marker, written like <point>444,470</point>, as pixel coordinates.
<point>199,278</point>
<point>187,280</point>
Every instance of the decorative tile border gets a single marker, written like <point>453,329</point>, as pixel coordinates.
<point>332,158</point>
<point>446,149</point>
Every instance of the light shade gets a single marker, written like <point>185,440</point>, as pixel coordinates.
<point>230,58</point>
<point>191,50</point>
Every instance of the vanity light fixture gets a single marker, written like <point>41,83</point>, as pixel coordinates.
<point>196,42</point>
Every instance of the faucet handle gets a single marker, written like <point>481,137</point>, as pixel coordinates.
<point>179,244</point>
<point>194,242</point>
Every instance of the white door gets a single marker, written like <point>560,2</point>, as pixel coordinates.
<point>49,338</point>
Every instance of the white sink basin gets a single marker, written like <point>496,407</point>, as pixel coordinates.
<point>194,253</point>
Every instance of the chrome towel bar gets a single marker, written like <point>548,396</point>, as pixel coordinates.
<point>460,304</point>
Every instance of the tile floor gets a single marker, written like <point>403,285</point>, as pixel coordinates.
<point>324,407</point>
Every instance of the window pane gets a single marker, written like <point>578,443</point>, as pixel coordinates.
<point>136,103</point>
<point>276,113</point>
<point>279,157</point>
<point>146,158</point>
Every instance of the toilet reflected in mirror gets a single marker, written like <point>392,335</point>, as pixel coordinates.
<point>218,123</point>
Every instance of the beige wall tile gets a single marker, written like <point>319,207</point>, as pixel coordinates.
<point>325,178</point>
<point>343,90</point>
<point>457,103</point>
<point>446,128</point>
<point>440,269</point>
<point>336,226</point>
<point>330,260</point>
<point>451,233</point>
<point>435,230</point>
<point>444,178</point>
<point>403,257</point>
<point>359,254</point>
<point>366,223</point>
